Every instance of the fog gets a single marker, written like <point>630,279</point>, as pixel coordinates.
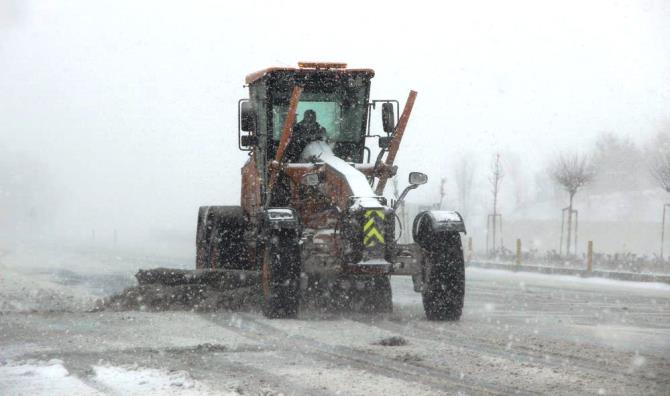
<point>122,115</point>
<point>118,119</point>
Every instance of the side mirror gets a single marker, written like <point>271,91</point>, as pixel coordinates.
<point>384,141</point>
<point>247,117</point>
<point>248,140</point>
<point>388,117</point>
<point>417,178</point>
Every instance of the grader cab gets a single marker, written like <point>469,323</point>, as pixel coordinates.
<point>312,216</point>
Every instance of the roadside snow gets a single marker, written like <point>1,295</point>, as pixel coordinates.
<point>561,280</point>
<point>148,381</point>
<point>45,378</point>
<point>52,378</point>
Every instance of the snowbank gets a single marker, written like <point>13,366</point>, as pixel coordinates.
<point>42,378</point>
<point>561,281</point>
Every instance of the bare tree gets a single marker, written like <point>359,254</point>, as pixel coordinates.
<point>659,156</point>
<point>464,175</point>
<point>495,178</point>
<point>661,171</point>
<point>571,172</point>
<point>616,161</point>
<point>660,161</point>
<point>515,170</point>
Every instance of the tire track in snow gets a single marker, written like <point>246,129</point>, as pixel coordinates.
<point>579,365</point>
<point>207,367</point>
<point>442,379</point>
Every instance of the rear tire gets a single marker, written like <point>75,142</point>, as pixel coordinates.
<point>220,238</point>
<point>281,275</point>
<point>443,289</point>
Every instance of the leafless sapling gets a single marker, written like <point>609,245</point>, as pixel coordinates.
<point>495,178</point>
<point>571,172</point>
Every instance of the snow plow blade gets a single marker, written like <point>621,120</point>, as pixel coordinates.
<point>221,279</point>
<point>162,289</point>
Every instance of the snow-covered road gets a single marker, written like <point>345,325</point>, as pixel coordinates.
<point>520,333</point>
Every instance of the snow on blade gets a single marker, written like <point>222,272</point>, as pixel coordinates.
<point>360,187</point>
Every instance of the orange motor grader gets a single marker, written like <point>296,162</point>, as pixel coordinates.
<point>312,216</point>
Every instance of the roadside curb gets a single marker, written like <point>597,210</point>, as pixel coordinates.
<point>625,276</point>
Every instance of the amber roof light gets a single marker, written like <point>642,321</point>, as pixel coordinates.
<point>322,65</point>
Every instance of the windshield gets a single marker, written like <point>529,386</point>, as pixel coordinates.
<point>341,116</point>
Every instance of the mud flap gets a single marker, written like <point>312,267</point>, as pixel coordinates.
<point>433,222</point>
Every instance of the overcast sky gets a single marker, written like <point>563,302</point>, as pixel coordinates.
<point>131,106</point>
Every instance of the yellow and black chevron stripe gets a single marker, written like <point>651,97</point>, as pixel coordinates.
<point>373,229</point>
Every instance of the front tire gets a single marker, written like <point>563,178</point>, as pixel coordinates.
<point>443,290</point>
<point>281,275</point>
